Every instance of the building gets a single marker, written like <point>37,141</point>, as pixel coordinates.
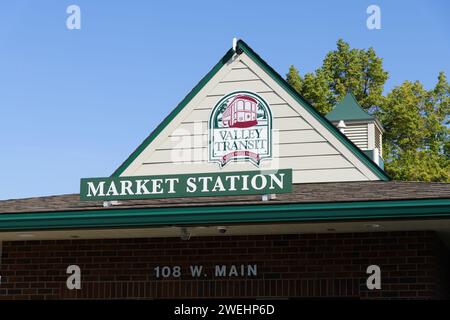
<point>225,200</point>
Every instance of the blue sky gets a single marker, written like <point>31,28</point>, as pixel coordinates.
<point>76,103</point>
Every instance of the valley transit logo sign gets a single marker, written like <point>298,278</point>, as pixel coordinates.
<point>187,185</point>
<point>240,129</point>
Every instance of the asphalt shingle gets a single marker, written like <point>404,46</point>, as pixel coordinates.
<point>301,193</point>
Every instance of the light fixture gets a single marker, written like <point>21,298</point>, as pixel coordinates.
<point>25,235</point>
<point>184,234</point>
<point>222,229</point>
<point>373,225</point>
<point>268,197</point>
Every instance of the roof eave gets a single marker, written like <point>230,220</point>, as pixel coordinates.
<point>236,214</point>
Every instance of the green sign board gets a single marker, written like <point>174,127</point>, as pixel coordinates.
<point>187,185</point>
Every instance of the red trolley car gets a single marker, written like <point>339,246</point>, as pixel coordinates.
<point>241,112</point>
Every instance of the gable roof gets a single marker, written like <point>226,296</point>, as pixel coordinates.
<point>348,109</point>
<point>240,48</point>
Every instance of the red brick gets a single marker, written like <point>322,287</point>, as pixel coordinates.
<point>413,265</point>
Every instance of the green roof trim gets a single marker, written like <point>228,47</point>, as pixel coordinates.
<point>231,214</point>
<point>243,47</point>
<point>348,109</point>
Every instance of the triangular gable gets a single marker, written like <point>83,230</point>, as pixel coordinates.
<point>302,138</point>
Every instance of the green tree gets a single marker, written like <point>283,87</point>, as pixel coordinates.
<point>417,139</point>
<point>344,69</point>
<point>417,135</point>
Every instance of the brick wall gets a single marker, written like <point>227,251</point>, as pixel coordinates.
<point>413,265</point>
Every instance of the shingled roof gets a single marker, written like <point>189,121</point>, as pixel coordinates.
<point>301,193</point>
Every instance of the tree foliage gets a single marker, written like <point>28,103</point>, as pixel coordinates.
<point>344,69</point>
<point>417,139</point>
<point>417,135</point>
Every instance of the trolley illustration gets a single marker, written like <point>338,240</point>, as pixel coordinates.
<point>241,112</point>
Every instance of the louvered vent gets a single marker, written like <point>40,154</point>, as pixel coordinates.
<point>378,137</point>
<point>358,135</point>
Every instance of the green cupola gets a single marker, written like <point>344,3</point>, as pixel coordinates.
<point>362,128</point>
